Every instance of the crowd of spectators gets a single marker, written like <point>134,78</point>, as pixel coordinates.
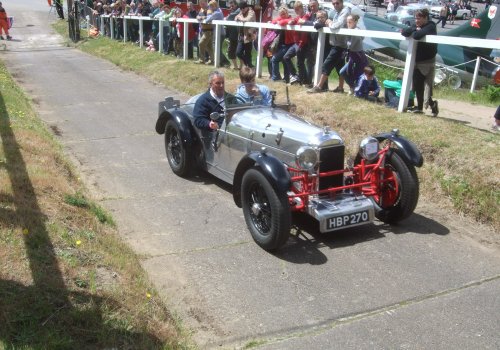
<point>290,54</point>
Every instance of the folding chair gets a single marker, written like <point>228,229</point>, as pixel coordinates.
<point>52,7</point>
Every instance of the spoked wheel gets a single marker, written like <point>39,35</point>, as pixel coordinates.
<point>179,158</point>
<point>267,213</point>
<point>398,189</point>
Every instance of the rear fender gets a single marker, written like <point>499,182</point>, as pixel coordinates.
<point>409,150</point>
<point>272,168</point>
<point>188,135</point>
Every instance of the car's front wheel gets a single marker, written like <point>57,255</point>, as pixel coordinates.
<point>398,189</point>
<point>179,157</point>
<point>267,213</point>
<point>464,16</point>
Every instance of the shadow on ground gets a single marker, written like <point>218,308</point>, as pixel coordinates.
<point>304,245</point>
<point>46,314</point>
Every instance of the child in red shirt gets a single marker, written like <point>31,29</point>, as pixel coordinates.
<point>4,23</point>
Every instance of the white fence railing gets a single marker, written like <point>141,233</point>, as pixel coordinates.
<point>410,54</point>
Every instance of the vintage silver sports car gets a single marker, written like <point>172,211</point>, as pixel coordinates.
<point>278,163</point>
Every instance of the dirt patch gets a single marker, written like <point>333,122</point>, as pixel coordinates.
<point>106,279</point>
<point>56,130</point>
<point>475,116</point>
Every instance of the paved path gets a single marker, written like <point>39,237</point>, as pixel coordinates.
<point>422,284</point>
<point>475,116</point>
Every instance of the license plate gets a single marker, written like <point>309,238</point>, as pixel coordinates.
<point>347,220</point>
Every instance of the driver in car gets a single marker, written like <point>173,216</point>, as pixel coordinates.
<point>209,102</point>
<point>249,92</point>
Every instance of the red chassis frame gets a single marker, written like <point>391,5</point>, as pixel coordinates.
<point>372,180</point>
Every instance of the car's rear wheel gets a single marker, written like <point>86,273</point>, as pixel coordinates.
<point>291,4</point>
<point>179,157</point>
<point>398,189</point>
<point>267,213</point>
<point>464,16</point>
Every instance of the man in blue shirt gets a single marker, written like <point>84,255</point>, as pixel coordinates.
<point>209,102</point>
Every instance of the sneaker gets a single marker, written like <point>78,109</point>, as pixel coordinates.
<point>338,89</point>
<point>209,63</point>
<point>294,79</point>
<point>435,109</point>
<point>351,91</point>
<point>1,37</point>
<point>315,90</point>
<point>200,62</point>
<point>9,37</point>
<point>416,111</point>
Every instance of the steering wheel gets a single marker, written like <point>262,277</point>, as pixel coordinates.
<point>240,100</point>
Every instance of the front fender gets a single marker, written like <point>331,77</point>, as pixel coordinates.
<point>164,113</point>
<point>409,150</point>
<point>272,168</point>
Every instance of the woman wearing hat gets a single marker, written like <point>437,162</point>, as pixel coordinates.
<point>247,35</point>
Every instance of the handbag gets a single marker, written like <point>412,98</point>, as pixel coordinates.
<point>268,39</point>
<point>275,44</point>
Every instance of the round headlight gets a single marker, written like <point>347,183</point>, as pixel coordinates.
<point>306,158</point>
<point>368,148</point>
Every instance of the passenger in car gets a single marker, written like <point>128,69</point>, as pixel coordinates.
<point>249,92</point>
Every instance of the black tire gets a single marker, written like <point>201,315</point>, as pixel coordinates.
<point>464,16</point>
<point>291,4</point>
<point>395,205</point>
<point>179,158</point>
<point>266,212</point>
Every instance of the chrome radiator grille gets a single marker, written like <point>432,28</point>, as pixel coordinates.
<point>331,158</point>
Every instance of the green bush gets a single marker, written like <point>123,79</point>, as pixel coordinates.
<point>493,92</point>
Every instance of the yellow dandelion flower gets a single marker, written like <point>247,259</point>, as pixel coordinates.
<point>78,242</point>
<point>148,295</point>
<point>25,231</point>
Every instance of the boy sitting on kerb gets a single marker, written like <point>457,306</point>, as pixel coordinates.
<point>249,92</point>
<point>368,86</point>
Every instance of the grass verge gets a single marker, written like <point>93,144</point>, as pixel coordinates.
<point>67,281</point>
<point>460,170</point>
